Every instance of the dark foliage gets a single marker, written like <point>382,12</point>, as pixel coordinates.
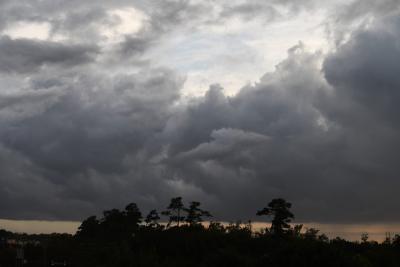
<point>120,238</point>
<point>280,210</point>
<point>152,219</point>
<point>174,211</point>
<point>195,214</point>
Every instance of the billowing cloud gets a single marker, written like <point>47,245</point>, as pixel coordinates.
<point>90,122</point>
<point>24,55</point>
<point>364,70</point>
<point>88,125</point>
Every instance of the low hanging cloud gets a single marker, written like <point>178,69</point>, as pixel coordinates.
<point>24,55</point>
<point>266,10</point>
<point>76,138</point>
<point>91,128</point>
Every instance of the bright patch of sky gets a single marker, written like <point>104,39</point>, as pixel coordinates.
<point>238,52</point>
<point>29,30</point>
<point>126,21</point>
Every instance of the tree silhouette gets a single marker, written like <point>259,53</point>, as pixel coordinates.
<point>364,237</point>
<point>113,224</point>
<point>174,211</point>
<point>195,214</point>
<point>152,219</point>
<point>89,228</point>
<point>133,217</point>
<point>311,233</point>
<point>279,209</point>
<point>396,241</point>
<point>296,230</point>
<point>216,227</point>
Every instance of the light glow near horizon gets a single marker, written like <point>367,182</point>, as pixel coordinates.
<point>352,232</point>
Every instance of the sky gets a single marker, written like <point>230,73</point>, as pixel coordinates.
<point>230,103</point>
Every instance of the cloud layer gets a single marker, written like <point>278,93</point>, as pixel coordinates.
<point>90,122</point>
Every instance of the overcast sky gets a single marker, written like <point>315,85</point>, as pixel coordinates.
<point>230,103</point>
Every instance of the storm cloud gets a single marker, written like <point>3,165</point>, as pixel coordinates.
<point>22,55</point>
<point>90,122</point>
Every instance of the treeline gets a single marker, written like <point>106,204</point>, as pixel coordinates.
<point>127,238</point>
<point>116,224</point>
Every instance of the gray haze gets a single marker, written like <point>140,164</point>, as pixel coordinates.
<point>87,125</point>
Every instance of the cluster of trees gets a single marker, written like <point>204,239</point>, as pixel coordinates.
<point>125,223</point>
<point>116,224</point>
<point>126,238</point>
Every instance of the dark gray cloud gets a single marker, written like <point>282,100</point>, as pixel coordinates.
<point>330,148</point>
<point>99,133</point>
<point>76,139</point>
<point>82,133</point>
<point>365,69</point>
<point>362,8</point>
<point>134,46</point>
<point>364,104</point>
<point>25,55</point>
<point>266,10</point>
<point>343,19</point>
